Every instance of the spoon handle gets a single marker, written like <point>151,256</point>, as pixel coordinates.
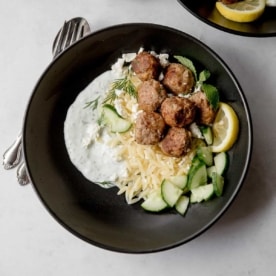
<point>12,155</point>
<point>22,175</point>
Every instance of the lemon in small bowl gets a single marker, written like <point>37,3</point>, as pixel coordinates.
<point>242,11</point>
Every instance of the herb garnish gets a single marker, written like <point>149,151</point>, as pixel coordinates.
<point>124,84</point>
<point>203,76</point>
<point>210,91</point>
<point>212,94</point>
<point>188,63</point>
<point>93,104</point>
<point>100,120</point>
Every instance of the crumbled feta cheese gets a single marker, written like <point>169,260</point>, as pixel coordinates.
<point>161,76</point>
<point>135,112</point>
<point>92,133</point>
<point>164,60</point>
<point>196,131</point>
<point>153,53</point>
<point>119,92</point>
<point>129,57</point>
<point>118,68</point>
<point>119,107</point>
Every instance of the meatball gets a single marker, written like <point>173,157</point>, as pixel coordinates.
<point>151,94</point>
<point>149,128</point>
<point>205,113</point>
<point>178,112</point>
<point>146,66</point>
<point>178,79</point>
<point>177,142</point>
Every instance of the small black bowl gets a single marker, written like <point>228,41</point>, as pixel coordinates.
<point>96,215</point>
<point>206,11</point>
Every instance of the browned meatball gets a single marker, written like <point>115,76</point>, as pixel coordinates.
<point>151,94</point>
<point>178,112</point>
<point>149,128</point>
<point>145,66</point>
<point>205,114</point>
<point>178,79</point>
<point>177,142</point>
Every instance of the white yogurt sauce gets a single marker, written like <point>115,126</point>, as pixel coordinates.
<point>86,142</point>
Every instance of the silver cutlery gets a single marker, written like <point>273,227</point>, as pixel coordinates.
<point>71,32</point>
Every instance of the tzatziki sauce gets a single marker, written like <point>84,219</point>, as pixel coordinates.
<point>86,141</point>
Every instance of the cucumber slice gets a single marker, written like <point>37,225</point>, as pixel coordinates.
<point>114,120</point>
<point>182,204</point>
<point>207,134</point>
<point>185,190</point>
<point>197,175</point>
<point>218,183</point>
<point>179,180</point>
<point>154,203</point>
<point>170,192</point>
<point>205,154</point>
<point>201,193</point>
<point>210,170</point>
<point>221,161</point>
<point>196,161</point>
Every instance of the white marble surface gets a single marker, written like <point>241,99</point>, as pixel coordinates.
<point>32,243</point>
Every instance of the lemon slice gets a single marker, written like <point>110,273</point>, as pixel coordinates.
<point>225,128</point>
<point>242,11</point>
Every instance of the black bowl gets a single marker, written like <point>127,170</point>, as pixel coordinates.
<point>96,215</point>
<point>206,11</point>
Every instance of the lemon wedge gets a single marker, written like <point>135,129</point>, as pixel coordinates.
<point>225,128</point>
<point>242,11</point>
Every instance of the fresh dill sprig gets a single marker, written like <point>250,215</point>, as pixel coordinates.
<point>124,84</point>
<point>100,120</point>
<point>93,104</point>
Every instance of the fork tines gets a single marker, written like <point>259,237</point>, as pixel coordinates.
<point>68,34</point>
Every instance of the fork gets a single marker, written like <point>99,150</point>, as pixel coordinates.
<point>71,31</point>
